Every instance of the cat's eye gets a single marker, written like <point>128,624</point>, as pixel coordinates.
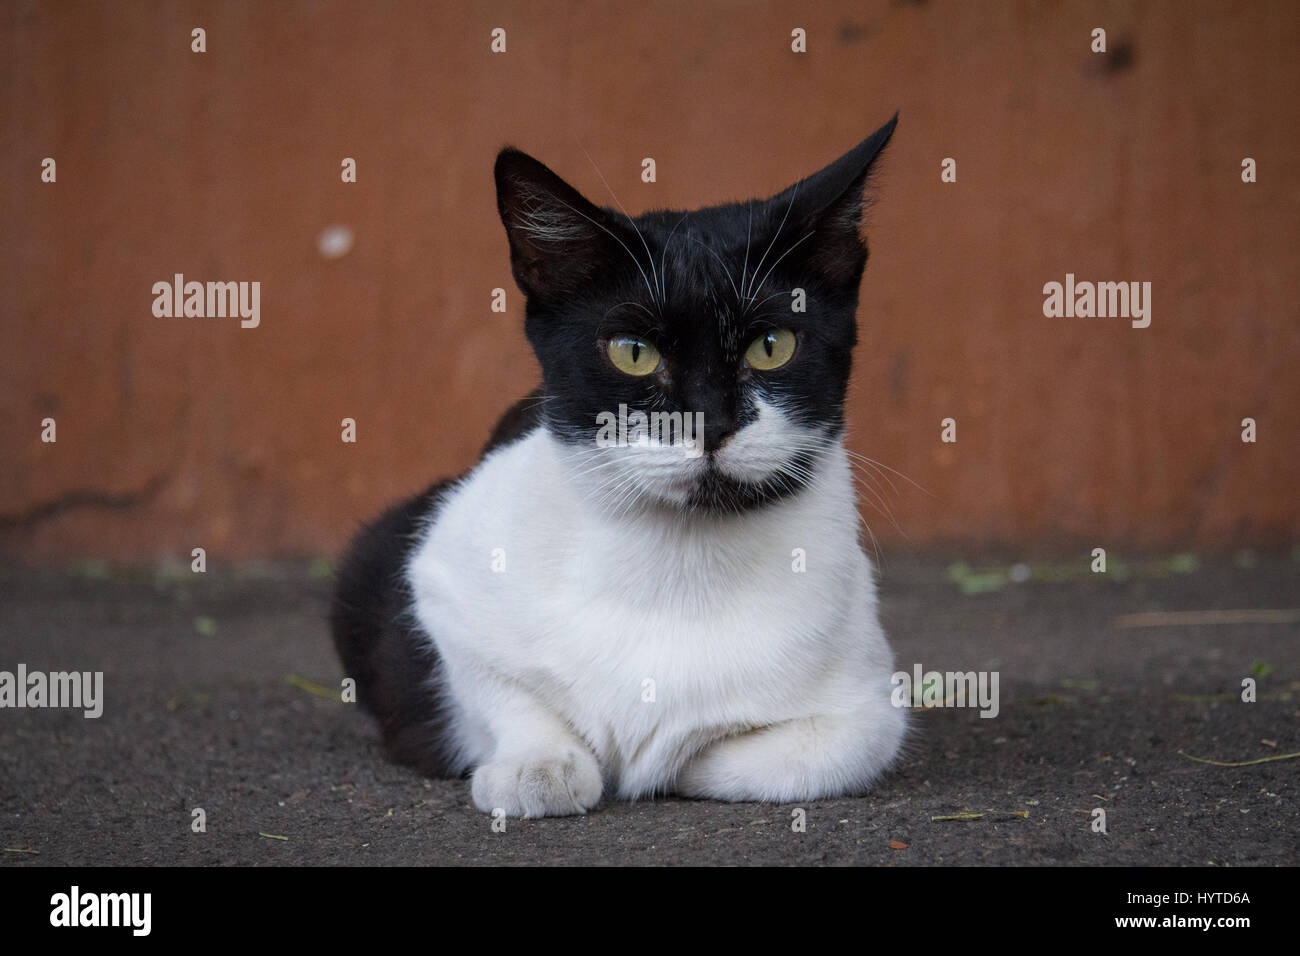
<point>770,350</point>
<point>633,356</point>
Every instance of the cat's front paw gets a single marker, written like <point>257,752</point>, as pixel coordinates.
<point>542,786</point>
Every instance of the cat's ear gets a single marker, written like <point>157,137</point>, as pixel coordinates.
<point>830,204</point>
<point>557,238</point>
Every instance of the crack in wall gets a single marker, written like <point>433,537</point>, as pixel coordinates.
<point>84,498</point>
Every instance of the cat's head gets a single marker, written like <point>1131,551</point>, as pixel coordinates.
<point>740,316</point>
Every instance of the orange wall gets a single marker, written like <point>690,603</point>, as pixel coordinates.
<point>175,433</point>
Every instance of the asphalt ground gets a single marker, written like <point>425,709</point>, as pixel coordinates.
<point>220,695</point>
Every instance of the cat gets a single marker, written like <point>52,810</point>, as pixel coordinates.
<point>575,617</point>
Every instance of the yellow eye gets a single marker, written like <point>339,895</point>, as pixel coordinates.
<point>633,356</point>
<point>771,350</point>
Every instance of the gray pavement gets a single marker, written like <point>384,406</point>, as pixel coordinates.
<point>215,699</point>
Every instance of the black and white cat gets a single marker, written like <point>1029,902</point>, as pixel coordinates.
<point>574,616</point>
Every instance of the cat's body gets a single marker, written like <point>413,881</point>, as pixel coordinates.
<point>569,619</point>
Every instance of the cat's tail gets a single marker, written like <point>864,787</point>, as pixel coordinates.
<point>394,663</point>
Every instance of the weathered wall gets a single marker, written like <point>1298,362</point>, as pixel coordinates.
<point>225,165</point>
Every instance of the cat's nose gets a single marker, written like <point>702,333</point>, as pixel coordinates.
<point>718,432</point>
<point>716,409</point>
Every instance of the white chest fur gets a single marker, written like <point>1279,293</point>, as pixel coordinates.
<point>650,635</point>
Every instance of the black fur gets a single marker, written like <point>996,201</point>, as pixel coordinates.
<point>379,643</point>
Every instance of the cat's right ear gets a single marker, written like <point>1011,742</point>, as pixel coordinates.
<point>558,239</point>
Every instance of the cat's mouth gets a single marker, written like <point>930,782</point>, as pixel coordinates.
<point>716,490</point>
<point>711,485</point>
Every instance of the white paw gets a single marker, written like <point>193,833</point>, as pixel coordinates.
<point>803,759</point>
<point>542,786</point>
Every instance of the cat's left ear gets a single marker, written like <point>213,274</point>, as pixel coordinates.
<point>830,204</point>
